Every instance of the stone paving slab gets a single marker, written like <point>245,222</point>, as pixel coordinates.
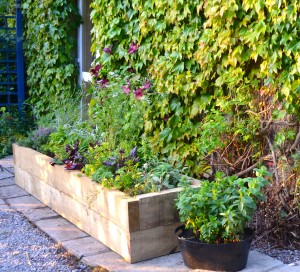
<point>40,214</point>
<point>7,162</point>
<point>12,191</point>
<point>115,263</point>
<point>259,262</point>
<point>25,203</point>
<point>5,174</point>
<point>60,229</point>
<point>2,202</point>
<point>86,246</point>
<point>7,181</point>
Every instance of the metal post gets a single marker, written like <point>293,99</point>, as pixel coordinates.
<point>20,57</point>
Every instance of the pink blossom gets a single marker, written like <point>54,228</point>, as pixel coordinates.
<point>103,82</point>
<point>133,48</point>
<point>138,93</point>
<point>95,71</point>
<point>108,50</point>
<point>146,85</point>
<point>126,88</point>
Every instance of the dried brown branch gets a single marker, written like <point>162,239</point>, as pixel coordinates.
<point>264,130</point>
<point>296,142</point>
<point>248,169</point>
<point>284,204</point>
<point>263,111</point>
<point>274,159</point>
<point>286,123</point>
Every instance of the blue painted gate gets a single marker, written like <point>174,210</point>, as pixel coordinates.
<point>12,91</point>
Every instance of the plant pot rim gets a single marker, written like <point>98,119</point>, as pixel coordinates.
<point>186,234</point>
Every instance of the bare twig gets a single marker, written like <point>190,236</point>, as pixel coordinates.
<point>274,159</point>
<point>265,129</point>
<point>263,111</point>
<point>296,142</point>
<point>281,123</point>
<point>247,170</point>
<point>284,204</point>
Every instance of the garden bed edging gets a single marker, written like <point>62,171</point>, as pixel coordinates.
<point>137,228</point>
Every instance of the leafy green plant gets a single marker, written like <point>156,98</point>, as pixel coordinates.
<point>50,48</point>
<point>217,212</point>
<point>36,139</point>
<point>70,135</point>
<point>7,7</point>
<point>12,129</point>
<point>135,172</point>
<point>118,104</point>
<point>202,56</point>
<point>162,175</point>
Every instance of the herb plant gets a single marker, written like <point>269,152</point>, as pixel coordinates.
<point>133,173</point>
<point>217,211</point>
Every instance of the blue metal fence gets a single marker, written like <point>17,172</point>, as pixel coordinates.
<point>12,91</point>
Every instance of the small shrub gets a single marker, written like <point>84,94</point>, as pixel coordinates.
<point>218,211</point>
<point>12,129</point>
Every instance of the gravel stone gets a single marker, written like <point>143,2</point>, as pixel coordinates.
<point>287,256</point>
<point>24,248</point>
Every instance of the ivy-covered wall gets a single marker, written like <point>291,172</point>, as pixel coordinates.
<point>216,67</point>
<point>50,51</point>
<point>7,7</point>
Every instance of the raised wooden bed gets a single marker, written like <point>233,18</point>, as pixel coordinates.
<point>137,228</point>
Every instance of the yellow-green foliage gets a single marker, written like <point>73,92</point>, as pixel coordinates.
<point>204,55</point>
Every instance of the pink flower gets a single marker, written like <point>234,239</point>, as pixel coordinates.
<point>126,88</point>
<point>138,93</point>
<point>95,71</point>
<point>146,85</point>
<point>133,48</point>
<point>103,82</point>
<point>108,50</point>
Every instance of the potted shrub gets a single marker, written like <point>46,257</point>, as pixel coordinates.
<point>215,236</point>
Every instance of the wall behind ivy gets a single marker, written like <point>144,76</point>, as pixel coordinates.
<point>50,51</point>
<point>213,65</point>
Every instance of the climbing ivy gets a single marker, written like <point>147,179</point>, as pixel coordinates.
<point>7,7</point>
<point>205,57</point>
<point>50,47</point>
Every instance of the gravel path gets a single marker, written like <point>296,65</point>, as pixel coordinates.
<point>23,247</point>
<point>285,255</point>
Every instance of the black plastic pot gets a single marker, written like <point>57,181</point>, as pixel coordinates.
<point>217,257</point>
